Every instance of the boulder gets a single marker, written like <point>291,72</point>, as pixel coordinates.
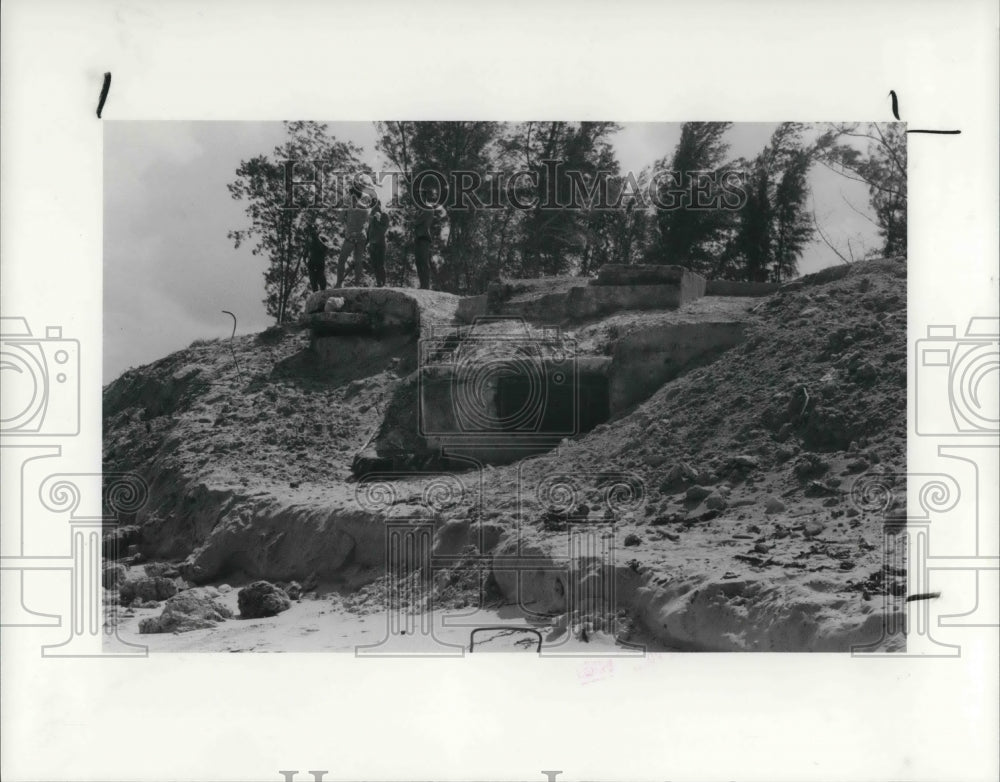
<point>744,462</point>
<point>716,501</point>
<point>261,599</point>
<point>147,589</point>
<point>193,609</point>
<point>773,505</point>
<point>163,569</point>
<point>113,575</point>
<point>696,493</point>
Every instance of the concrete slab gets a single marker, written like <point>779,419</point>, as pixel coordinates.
<point>644,360</point>
<point>389,310</point>
<point>733,288</point>
<point>330,324</point>
<point>639,274</point>
<point>567,299</point>
<point>592,300</point>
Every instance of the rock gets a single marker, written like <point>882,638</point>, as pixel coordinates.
<point>813,527</point>
<point>113,575</point>
<point>632,539</point>
<point>261,599</point>
<point>857,465</point>
<point>774,505</point>
<point>716,501</point>
<point>223,588</point>
<point>194,609</point>
<point>865,373</point>
<point>784,431</point>
<point>679,476</point>
<point>334,304</point>
<point>160,569</point>
<point>146,589</point>
<point>696,493</point>
<point>852,512</point>
<point>810,465</point>
<point>819,489</point>
<point>783,453</point>
<point>294,591</point>
<point>745,462</point>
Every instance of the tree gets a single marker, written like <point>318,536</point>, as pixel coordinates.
<point>279,227</point>
<point>793,229</point>
<point>446,148</point>
<point>773,227</point>
<point>690,236</point>
<point>573,163</point>
<point>883,169</point>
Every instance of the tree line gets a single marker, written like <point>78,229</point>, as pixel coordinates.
<point>760,237</point>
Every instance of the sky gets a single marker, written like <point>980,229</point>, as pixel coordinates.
<point>170,269</point>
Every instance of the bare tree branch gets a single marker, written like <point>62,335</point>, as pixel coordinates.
<point>825,240</point>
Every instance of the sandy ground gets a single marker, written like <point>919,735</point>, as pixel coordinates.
<point>327,625</point>
<point>775,550</point>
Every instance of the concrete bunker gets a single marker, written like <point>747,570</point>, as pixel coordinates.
<point>506,387</point>
<point>498,408</point>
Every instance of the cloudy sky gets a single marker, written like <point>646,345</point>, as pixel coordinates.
<point>170,270</point>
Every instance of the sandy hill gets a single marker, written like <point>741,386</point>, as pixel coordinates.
<point>733,498</point>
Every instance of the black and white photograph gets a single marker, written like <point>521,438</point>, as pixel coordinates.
<point>528,391</point>
<point>506,386</point>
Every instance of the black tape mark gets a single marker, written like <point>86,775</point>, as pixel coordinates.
<point>895,113</point>
<point>895,104</point>
<point>231,348</point>
<point>505,631</point>
<point>923,596</point>
<point>104,93</point>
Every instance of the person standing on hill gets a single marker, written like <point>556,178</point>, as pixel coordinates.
<point>315,257</point>
<point>424,231</point>
<point>378,224</point>
<point>362,196</point>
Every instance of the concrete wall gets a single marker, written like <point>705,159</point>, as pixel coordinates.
<point>642,288</point>
<point>388,310</point>
<point>639,274</point>
<point>338,351</point>
<point>593,300</point>
<point>644,361</point>
<point>471,307</point>
<point>733,288</point>
<point>469,415</point>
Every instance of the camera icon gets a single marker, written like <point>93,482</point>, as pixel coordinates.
<point>41,381</point>
<point>958,380</point>
<point>498,381</point>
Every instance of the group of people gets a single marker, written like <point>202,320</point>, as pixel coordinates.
<point>366,224</point>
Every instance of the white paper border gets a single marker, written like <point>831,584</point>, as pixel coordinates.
<point>681,717</point>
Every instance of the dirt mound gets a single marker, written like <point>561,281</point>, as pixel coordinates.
<point>221,427</point>
<point>726,495</point>
<point>814,400</point>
